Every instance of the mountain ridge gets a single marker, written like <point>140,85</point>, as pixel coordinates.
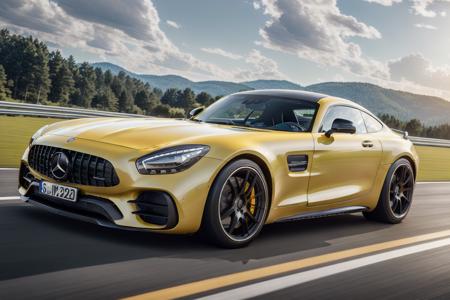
<point>430,110</point>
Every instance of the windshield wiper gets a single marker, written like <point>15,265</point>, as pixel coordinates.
<point>221,122</point>
<point>195,120</point>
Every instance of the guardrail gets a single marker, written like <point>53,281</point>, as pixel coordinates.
<point>26,109</point>
<point>420,141</point>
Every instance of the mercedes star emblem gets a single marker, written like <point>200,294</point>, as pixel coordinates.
<point>59,165</point>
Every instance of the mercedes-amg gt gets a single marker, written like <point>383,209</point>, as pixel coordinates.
<point>249,159</point>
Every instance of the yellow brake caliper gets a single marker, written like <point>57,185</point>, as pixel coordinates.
<point>252,199</point>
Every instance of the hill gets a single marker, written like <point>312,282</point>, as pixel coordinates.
<point>403,105</point>
<point>272,84</point>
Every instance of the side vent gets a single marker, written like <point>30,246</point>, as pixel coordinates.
<point>297,163</point>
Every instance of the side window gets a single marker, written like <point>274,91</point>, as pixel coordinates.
<point>372,124</point>
<point>344,112</point>
<point>304,116</point>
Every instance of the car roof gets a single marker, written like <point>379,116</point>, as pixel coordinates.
<point>294,94</point>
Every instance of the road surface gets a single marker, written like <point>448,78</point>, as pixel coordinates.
<point>44,256</point>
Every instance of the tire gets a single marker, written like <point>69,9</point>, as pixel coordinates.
<point>238,193</point>
<point>396,195</point>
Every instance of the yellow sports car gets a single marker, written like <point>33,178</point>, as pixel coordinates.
<point>250,159</point>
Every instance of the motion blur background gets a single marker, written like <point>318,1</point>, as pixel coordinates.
<point>163,58</point>
<point>63,59</point>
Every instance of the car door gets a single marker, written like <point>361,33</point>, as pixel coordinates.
<point>344,165</point>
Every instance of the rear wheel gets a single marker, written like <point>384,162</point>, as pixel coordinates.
<point>237,205</point>
<point>396,196</point>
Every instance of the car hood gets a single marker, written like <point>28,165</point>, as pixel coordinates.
<point>140,133</point>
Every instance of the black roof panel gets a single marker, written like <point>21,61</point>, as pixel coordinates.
<point>294,94</point>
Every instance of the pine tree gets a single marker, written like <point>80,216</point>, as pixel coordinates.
<point>108,77</point>
<point>4,91</point>
<point>62,82</point>
<point>186,99</point>
<point>158,92</point>
<point>99,79</point>
<point>414,127</point>
<point>204,99</point>
<point>65,84</point>
<point>117,86</point>
<point>85,83</point>
<point>72,64</point>
<point>125,102</point>
<point>106,100</point>
<point>142,99</point>
<point>170,97</point>
<point>40,70</point>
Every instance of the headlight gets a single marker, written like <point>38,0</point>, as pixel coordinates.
<point>37,134</point>
<point>171,160</point>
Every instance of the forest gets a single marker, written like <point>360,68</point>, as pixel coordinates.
<point>31,73</point>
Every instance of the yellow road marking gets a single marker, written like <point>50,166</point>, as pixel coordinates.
<point>205,285</point>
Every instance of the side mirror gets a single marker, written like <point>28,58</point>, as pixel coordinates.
<point>195,111</point>
<point>341,126</point>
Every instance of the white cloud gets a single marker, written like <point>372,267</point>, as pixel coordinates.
<point>221,52</point>
<point>128,33</point>
<point>173,24</point>
<point>261,67</point>
<point>422,8</point>
<point>417,69</point>
<point>318,31</point>
<point>425,26</point>
<point>384,2</point>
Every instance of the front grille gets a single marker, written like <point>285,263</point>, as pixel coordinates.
<point>84,169</point>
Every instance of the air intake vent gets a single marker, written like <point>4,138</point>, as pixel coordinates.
<point>83,168</point>
<point>25,177</point>
<point>157,208</point>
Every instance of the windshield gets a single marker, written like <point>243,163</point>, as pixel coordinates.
<point>261,111</point>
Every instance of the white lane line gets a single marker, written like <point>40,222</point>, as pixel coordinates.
<point>9,198</point>
<point>433,182</point>
<point>9,169</point>
<point>272,285</point>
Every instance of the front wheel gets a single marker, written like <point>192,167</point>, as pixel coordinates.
<point>396,196</point>
<point>237,205</point>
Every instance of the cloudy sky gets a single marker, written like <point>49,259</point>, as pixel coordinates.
<point>401,44</point>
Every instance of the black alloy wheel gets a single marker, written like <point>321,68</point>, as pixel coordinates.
<point>396,195</point>
<point>242,203</point>
<point>401,190</point>
<point>237,205</point>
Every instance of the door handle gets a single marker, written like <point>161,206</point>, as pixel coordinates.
<point>367,144</point>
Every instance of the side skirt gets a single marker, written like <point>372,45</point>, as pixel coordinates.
<point>324,213</point>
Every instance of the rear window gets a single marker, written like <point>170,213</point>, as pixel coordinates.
<point>372,124</point>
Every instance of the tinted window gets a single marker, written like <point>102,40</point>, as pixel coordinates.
<point>372,124</point>
<point>261,111</point>
<point>344,112</point>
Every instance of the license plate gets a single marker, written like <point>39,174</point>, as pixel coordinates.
<point>58,191</point>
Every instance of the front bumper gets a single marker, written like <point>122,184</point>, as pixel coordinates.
<point>88,209</point>
<point>187,191</point>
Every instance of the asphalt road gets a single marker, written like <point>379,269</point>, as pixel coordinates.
<point>44,256</point>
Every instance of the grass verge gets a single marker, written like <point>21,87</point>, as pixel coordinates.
<point>15,133</point>
<point>434,163</point>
